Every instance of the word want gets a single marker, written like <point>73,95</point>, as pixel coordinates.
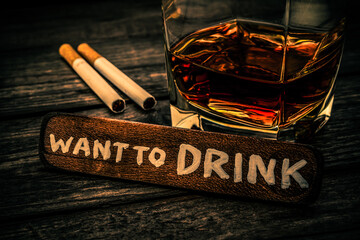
<point>213,160</point>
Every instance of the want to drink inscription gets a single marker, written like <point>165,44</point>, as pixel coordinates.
<point>213,160</point>
<point>197,160</point>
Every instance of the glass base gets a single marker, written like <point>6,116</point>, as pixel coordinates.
<point>302,130</point>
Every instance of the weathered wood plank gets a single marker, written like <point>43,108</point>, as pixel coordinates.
<point>164,147</point>
<point>50,193</point>
<point>33,66</point>
<point>23,133</point>
<point>73,93</point>
<point>21,164</point>
<point>208,217</point>
<point>35,79</point>
<point>30,64</point>
<point>41,86</point>
<point>40,204</point>
<point>28,190</point>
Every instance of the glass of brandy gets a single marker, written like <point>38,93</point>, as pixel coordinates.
<point>252,67</point>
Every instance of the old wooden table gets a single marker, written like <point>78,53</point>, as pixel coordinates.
<point>36,203</point>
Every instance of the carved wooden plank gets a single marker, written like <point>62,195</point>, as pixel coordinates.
<point>28,191</point>
<point>205,161</point>
<point>51,192</point>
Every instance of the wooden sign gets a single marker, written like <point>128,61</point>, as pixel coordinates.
<point>192,159</point>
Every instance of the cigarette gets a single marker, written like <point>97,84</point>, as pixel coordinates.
<point>102,89</point>
<point>117,77</point>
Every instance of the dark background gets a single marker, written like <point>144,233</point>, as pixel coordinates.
<point>36,203</point>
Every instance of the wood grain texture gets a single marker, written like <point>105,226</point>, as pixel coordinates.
<point>35,200</point>
<point>35,79</point>
<point>163,146</point>
<point>206,216</point>
<point>39,204</point>
<point>27,190</point>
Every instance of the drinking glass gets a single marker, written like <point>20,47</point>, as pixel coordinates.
<point>252,67</point>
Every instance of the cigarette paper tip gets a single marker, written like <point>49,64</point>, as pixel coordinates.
<point>68,53</point>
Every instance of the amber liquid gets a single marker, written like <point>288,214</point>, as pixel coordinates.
<point>257,73</point>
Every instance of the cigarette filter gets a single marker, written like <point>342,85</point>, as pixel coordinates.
<point>102,89</point>
<point>117,77</point>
